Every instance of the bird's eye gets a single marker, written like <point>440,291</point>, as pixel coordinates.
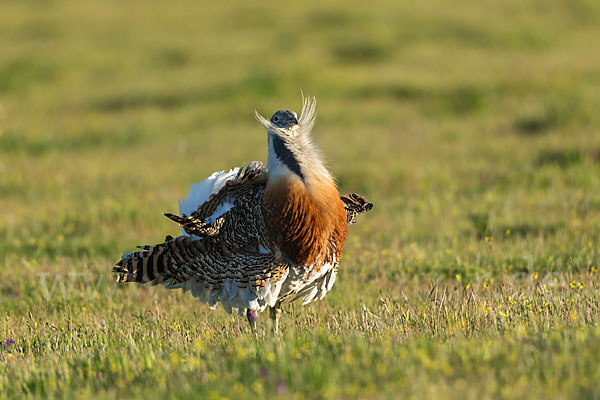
<point>275,119</point>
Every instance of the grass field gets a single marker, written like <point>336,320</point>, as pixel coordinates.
<point>472,126</point>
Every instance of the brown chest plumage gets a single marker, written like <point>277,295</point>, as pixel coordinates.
<point>307,224</point>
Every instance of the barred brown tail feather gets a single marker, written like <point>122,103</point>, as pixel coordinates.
<point>355,204</point>
<point>149,265</point>
<point>195,226</point>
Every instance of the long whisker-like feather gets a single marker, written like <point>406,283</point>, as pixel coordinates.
<point>308,115</point>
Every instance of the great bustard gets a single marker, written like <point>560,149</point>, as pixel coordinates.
<point>257,237</point>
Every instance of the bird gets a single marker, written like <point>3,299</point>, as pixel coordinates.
<point>257,236</point>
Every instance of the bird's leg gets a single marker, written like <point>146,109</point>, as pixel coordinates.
<point>274,313</point>
<point>251,315</point>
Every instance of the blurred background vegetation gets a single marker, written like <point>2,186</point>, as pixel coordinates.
<point>472,116</point>
<point>472,126</point>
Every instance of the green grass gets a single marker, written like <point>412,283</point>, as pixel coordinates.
<point>472,127</point>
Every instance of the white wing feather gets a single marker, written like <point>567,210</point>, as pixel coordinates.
<point>200,192</point>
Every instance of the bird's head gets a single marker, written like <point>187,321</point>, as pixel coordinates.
<point>290,146</point>
<point>285,120</point>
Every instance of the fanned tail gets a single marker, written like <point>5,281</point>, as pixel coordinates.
<point>355,204</point>
<point>239,280</point>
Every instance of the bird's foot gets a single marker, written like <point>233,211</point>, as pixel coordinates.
<point>252,315</point>
<point>274,313</point>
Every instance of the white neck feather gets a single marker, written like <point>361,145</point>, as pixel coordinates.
<point>309,158</point>
<point>276,168</point>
